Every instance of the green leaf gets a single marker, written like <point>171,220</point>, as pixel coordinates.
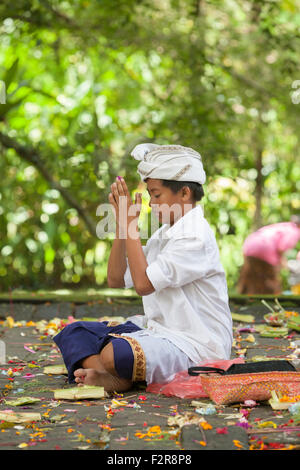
<point>5,108</point>
<point>11,73</point>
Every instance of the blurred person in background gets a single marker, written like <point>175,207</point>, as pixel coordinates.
<point>264,258</point>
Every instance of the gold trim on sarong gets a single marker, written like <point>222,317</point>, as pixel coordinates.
<point>139,359</point>
<point>113,323</point>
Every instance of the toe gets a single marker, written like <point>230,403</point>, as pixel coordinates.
<point>79,372</point>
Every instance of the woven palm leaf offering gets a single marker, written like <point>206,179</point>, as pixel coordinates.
<point>278,316</point>
<point>293,321</point>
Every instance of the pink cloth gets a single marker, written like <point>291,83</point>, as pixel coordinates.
<point>269,242</point>
<point>184,385</point>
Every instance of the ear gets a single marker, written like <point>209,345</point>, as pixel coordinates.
<point>186,193</point>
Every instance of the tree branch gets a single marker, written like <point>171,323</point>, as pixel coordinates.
<point>30,155</point>
<point>66,19</point>
<point>241,78</point>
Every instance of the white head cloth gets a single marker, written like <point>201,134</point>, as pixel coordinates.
<point>169,162</point>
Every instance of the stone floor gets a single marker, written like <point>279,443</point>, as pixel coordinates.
<point>137,420</point>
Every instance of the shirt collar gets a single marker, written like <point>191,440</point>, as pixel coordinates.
<point>188,225</point>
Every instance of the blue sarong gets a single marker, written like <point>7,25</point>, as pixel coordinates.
<point>81,339</point>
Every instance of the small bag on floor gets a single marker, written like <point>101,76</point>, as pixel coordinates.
<point>249,381</point>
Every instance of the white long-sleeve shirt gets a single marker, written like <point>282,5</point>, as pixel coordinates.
<point>189,306</point>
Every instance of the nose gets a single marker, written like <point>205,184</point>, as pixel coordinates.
<point>153,205</point>
<point>150,202</point>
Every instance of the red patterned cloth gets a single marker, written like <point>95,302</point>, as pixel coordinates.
<point>226,389</point>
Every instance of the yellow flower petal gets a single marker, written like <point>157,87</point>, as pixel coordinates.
<point>237,443</point>
<point>23,444</point>
<point>267,424</point>
<point>205,425</point>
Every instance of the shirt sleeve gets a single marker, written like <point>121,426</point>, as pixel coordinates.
<point>184,261</point>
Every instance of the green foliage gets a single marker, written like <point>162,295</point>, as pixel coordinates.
<point>87,80</point>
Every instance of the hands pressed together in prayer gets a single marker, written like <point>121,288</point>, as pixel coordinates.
<point>126,212</point>
<point>127,240</point>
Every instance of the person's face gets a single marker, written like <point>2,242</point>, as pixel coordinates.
<point>167,206</point>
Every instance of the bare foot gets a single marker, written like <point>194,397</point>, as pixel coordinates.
<point>104,379</point>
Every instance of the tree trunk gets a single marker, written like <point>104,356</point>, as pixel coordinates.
<point>258,192</point>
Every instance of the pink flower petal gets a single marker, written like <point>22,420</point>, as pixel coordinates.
<point>222,430</point>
